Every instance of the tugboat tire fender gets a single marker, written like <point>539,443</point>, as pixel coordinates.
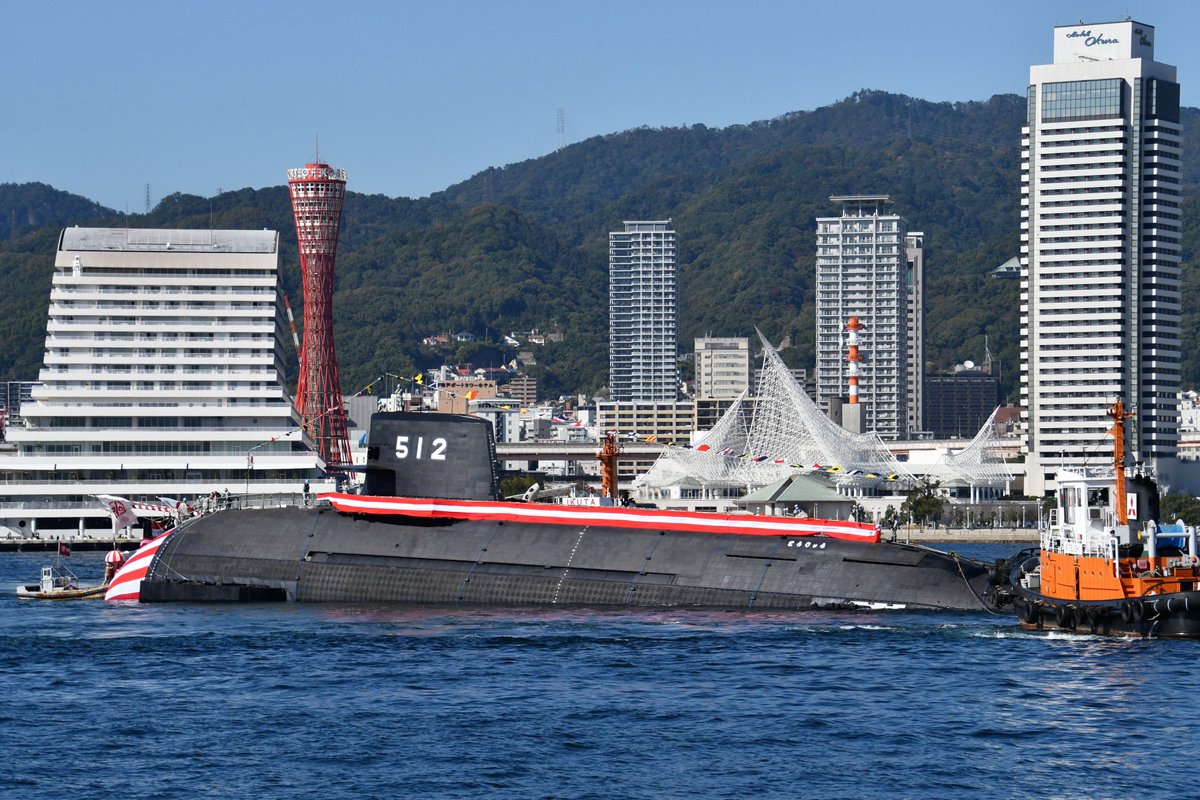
<point>1029,612</point>
<point>1064,616</point>
<point>1129,611</point>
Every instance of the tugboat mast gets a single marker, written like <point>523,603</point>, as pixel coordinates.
<point>608,465</point>
<point>1118,415</point>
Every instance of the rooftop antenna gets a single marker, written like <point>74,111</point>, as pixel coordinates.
<point>562,128</point>
<point>316,148</point>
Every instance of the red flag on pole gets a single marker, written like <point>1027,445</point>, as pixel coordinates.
<point>64,549</point>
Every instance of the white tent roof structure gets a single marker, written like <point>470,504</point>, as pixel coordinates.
<point>980,463</point>
<point>790,429</point>
<point>706,460</point>
<point>790,434</point>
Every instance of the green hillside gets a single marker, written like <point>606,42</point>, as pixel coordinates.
<point>30,206</point>
<point>525,246</point>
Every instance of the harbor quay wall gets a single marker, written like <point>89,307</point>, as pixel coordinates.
<point>930,535</point>
<point>80,544</point>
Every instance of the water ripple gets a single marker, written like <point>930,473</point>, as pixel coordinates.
<point>377,701</point>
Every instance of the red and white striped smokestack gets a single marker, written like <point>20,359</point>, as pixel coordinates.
<point>852,357</point>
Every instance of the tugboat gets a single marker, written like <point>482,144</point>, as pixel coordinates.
<point>1106,566</point>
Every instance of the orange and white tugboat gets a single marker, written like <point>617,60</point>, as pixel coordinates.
<point>1106,566</point>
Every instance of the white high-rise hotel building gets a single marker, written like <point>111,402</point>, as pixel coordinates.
<point>1100,249</point>
<point>163,376</point>
<point>641,312</point>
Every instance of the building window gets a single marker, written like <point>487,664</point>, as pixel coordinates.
<point>1162,100</point>
<point>1076,100</point>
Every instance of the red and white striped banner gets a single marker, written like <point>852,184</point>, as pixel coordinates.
<point>608,516</point>
<point>127,583</point>
<point>151,507</point>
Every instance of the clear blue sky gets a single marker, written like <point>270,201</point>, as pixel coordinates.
<point>412,96</point>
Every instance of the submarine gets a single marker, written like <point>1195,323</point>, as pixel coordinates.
<point>431,527</point>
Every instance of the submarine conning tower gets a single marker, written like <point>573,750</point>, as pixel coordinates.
<point>413,454</point>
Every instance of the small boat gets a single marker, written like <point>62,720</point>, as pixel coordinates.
<point>58,583</point>
<point>1106,565</point>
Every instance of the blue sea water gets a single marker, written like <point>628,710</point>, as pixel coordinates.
<point>263,701</point>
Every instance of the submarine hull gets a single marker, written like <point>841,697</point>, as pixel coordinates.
<point>323,555</point>
<point>430,526</point>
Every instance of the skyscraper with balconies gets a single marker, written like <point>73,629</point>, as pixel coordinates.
<point>863,272</point>
<point>914,246</point>
<point>641,312</point>
<point>1100,249</point>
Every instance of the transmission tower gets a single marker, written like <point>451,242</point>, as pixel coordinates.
<point>562,128</point>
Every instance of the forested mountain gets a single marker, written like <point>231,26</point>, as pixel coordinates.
<point>525,246</point>
<point>30,206</point>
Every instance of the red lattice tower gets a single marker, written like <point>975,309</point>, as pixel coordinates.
<point>317,192</point>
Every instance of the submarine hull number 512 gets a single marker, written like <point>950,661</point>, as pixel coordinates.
<point>435,450</point>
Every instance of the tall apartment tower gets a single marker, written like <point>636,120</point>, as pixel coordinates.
<point>914,249</point>
<point>641,313</point>
<point>317,193</point>
<point>862,271</point>
<point>1100,249</point>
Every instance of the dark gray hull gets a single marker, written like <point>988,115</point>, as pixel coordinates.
<point>321,555</point>
<point>1167,616</point>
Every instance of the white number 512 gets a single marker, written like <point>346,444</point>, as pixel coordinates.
<point>437,450</point>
